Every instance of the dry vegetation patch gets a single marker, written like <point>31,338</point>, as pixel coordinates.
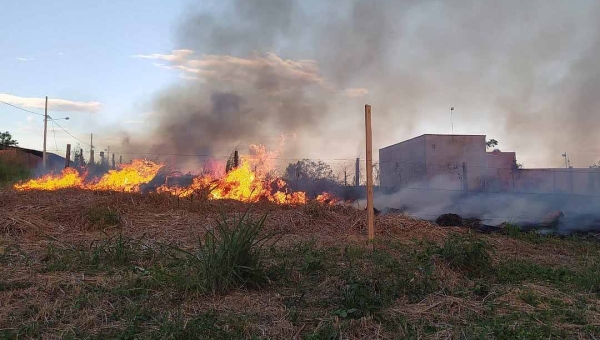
<point>80,264</point>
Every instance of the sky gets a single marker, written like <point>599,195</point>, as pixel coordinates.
<point>82,52</point>
<point>186,76</point>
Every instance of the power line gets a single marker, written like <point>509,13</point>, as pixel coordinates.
<point>67,132</point>
<point>20,108</point>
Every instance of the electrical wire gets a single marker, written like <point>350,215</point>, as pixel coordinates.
<point>68,133</point>
<point>20,108</point>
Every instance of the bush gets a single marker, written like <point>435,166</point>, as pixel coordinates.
<point>360,298</point>
<point>11,169</point>
<point>229,256</point>
<point>466,253</point>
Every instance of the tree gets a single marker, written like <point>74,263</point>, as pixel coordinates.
<point>491,143</point>
<point>311,177</point>
<point>309,170</point>
<point>595,166</point>
<point>6,139</point>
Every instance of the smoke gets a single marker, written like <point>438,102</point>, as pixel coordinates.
<point>516,71</point>
<point>427,201</point>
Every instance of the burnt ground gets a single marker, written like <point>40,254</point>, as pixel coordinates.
<point>77,264</point>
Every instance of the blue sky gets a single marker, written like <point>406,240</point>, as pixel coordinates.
<point>81,51</point>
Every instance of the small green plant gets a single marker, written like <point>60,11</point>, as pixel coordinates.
<point>466,253</point>
<point>229,256</point>
<point>530,298</point>
<point>359,298</point>
<point>512,230</point>
<point>103,216</point>
<point>326,331</point>
<point>117,250</point>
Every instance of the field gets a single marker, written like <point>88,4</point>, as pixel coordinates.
<point>98,265</point>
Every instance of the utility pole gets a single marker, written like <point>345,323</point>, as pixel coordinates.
<point>44,157</point>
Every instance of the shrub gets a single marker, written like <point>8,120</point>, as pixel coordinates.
<point>466,253</point>
<point>230,255</point>
<point>12,169</point>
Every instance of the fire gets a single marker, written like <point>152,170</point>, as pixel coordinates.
<point>251,181</point>
<point>327,198</point>
<point>128,178</point>
<point>243,183</point>
<point>69,178</point>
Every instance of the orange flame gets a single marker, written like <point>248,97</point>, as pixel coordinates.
<point>252,181</point>
<point>128,178</point>
<point>327,198</point>
<point>242,184</point>
<point>69,178</point>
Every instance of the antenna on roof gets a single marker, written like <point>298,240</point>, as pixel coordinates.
<point>451,122</point>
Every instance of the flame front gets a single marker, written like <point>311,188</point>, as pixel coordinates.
<point>252,181</point>
<point>243,184</point>
<point>69,178</point>
<point>129,178</point>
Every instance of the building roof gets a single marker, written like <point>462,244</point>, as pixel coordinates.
<point>432,134</point>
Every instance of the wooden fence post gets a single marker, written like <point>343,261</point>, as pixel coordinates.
<point>68,156</point>
<point>369,153</point>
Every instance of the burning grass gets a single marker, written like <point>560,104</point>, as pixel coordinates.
<point>85,264</point>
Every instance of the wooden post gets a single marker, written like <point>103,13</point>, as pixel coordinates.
<point>91,148</point>
<point>369,153</point>
<point>357,173</point>
<point>236,159</point>
<point>44,155</point>
<point>113,161</point>
<point>120,159</point>
<point>68,156</point>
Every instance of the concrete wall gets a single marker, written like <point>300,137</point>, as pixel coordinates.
<point>403,163</point>
<point>445,157</point>
<point>581,181</point>
<point>499,173</point>
<point>459,162</point>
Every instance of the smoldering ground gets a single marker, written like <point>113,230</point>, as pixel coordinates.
<point>580,212</point>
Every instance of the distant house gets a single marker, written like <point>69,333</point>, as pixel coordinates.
<point>32,159</point>
<point>461,163</point>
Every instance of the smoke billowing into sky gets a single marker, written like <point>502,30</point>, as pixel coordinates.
<point>522,72</point>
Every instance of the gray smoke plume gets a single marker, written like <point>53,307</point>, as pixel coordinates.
<point>424,201</point>
<point>523,72</point>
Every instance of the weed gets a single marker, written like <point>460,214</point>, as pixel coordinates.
<point>512,230</point>
<point>360,297</point>
<point>229,256</point>
<point>517,271</point>
<point>326,331</point>
<point>103,216</point>
<point>15,285</point>
<point>530,298</point>
<point>466,253</point>
<point>115,250</point>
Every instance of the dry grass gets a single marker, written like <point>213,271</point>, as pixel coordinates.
<point>304,302</point>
